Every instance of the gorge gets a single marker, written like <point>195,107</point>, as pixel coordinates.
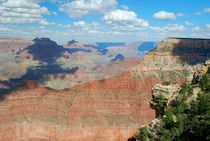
<point>108,109</point>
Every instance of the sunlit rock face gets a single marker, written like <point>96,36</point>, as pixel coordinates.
<point>106,110</point>
<point>13,44</point>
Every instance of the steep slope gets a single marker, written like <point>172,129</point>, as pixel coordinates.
<point>182,113</point>
<point>106,110</point>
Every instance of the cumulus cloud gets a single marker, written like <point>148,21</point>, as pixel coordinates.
<point>87,26</point>
<point>124,19</point>
<point>22,11</point>
<point>196,28</point>
<point>79,8</point>
<point>171,28</point>
<point>80,24</point>
<point>201,32</point>
<point>164,15</point>
<point>63,25</point>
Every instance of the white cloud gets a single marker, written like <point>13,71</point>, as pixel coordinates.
<point>201,32</point>
<point>80,24</point>
<point>64,25</point>
<point>171,28</point>
<point>79,8</point>
<point>95,24</point>
<point>125,20</point>
<point>92,27</point>
<point>188,23</point>
<point>197,28</point>
<point>22,11</point>
<point>163,15</point>
<point>206,10</point>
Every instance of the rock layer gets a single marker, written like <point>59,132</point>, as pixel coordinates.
<point>13,44</point>
<point>106,110</point>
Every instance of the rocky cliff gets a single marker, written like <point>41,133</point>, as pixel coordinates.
<point>106,110</point>
<point>182,112</point>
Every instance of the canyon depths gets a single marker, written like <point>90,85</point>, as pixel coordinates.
<point>111,109</point>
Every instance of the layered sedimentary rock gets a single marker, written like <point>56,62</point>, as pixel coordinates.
<point>54,66</point>
<point>13,44</point>
<point>106,110</point>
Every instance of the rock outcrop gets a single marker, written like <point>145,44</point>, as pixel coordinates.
<point>107,110</point>
<point>165,92</point>
<point>177,107</point>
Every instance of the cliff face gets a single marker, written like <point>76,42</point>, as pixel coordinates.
<point>180,106</point>
<point>106,110</point>
<point>186,50</point>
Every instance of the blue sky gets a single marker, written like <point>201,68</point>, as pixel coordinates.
<point>105,20</point>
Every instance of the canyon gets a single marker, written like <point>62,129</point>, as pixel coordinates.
<point>110,109</point>
<point>63,66</point>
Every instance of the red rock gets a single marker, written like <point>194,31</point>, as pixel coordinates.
<point>107,110</point>
<point>13,44</point>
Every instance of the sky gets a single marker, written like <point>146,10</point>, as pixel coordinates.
<point>105,20</point>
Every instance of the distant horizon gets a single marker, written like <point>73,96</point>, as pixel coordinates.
<point>29,39</point>
<point>62,43</point>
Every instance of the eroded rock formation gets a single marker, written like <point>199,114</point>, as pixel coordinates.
<point>107,110</point>
<point>13,44</point>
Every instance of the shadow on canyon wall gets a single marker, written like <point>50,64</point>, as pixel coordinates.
<point>47,52</point>
<point>192,51</point>
<point>189,51</point>
<point>132,139</point>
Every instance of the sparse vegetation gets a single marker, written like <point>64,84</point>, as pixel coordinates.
<point>186,88</point>
<point>160,106</point>
<point>181,121</point>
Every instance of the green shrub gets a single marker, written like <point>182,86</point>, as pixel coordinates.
<point>205,82</point>
<point>143,135</point>
<point>160,105</point>
<point>192,122</point>
<point>169,120</point>
<point>186,88</point>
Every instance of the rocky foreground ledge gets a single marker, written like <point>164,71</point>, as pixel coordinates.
<point>108,110</point>
<point>182,112</point>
